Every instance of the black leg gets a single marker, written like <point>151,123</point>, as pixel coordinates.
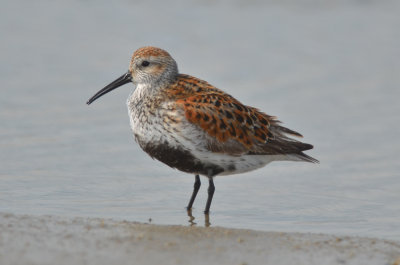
<point>211,189</point>
<point>196,188</point>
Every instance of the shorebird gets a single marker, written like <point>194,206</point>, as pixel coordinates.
<point>197,128</point>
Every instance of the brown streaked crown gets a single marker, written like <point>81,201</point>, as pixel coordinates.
<point>149,51</point>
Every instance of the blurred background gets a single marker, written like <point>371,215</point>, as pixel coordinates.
<point>328,69</point>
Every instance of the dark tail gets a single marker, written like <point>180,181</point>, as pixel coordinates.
<point>307,158</point>
<point>291,146</point>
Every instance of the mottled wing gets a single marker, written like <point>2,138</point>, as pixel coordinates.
<point>232,127</point>
<point>224,118</point>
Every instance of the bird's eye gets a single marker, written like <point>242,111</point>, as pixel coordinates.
<point>145,63</point>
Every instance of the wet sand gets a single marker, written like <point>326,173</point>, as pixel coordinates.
<point>26,239</point>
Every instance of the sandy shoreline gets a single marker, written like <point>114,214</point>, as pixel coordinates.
<point>26,239</point>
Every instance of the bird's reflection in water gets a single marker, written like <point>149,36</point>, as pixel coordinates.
<point>192,218</point>
<point>207,220</point>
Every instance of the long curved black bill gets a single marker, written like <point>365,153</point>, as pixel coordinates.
<point>122,80</point>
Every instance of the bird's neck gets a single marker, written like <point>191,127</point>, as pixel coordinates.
<point>143,93</point>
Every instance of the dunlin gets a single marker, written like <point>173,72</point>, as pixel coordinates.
<point>197,128</point>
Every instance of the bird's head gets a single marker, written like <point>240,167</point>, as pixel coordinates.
<point>149,66</point>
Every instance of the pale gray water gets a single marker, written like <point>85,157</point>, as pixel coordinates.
<point>329,70</point>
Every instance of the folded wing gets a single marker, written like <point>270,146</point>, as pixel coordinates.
<point>234,128</point>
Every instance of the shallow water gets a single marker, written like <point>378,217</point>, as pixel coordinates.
<point>329,71</point>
